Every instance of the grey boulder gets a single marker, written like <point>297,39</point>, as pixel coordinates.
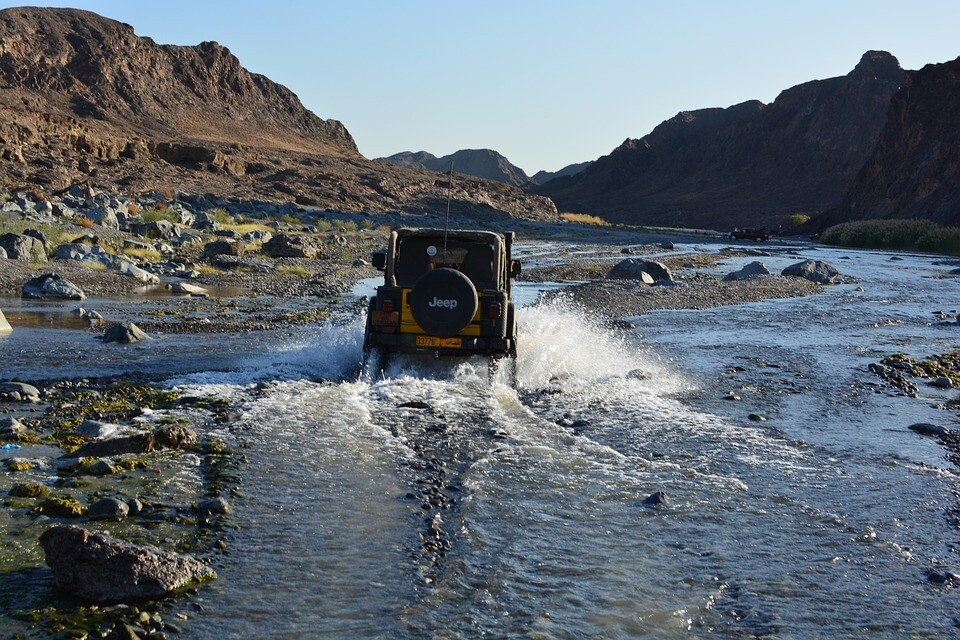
<point>124,333</point>
<point>102,569</point>
<point>23,247</point>
<point>108,509</point>
<point>752,270</point>
<point>284,245</point>
<point>813,270</point>
<point>26,392</point>
<point>52,286</point>
<point>632,268</point>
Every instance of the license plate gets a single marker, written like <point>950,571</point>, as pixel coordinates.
<point>385,317</point>
<point>444,343</point>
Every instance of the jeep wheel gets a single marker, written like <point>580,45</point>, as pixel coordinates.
<point>443,302</point>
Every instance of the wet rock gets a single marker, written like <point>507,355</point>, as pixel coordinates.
<point>135,506</point>
<point>285,245</point>
<point>942,382</point>
<point>731,396</point>
<point>95,429</point>
<point>11,427</point>
<point>638,374</point>
<point>813,270</point>
<point>52,286</point>
<point>756,417</point>
<point>655,499</point>
<point>414,404</point>
<point>28,490</point>
<point>124,333</point>
<point>166,437</point>
<point>217,506</point>
<point>108,509</point>
<point>102,569</point>
<point>927,429</point>
<point>752,270</point>
<point>191,289</point>
<point>18,464</point>
<point>23,248</point>
<point>942,577</point>
<point>666,244</point>
<point>25,392</point>
<point>634,268</point>
<point>101,468</point>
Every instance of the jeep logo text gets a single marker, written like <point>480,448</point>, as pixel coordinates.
<point>446,304</point>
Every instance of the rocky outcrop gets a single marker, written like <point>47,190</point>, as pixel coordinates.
<point>85,100</point>
<point>719,168</point>
<point>481,163</point>
<point>98,568</point>
<point>914,170</point>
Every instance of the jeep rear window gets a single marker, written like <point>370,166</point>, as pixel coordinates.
<point>477,260</point>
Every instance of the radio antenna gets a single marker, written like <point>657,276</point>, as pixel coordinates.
<point>446,224</point>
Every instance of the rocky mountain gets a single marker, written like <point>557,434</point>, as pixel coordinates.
<point>542,177</point>
<point>749,164</point>
<point>480,163</point>
<point>84,99</point>
<point>914,170</point>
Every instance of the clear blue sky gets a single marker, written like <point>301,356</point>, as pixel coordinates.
<point>546,83</point>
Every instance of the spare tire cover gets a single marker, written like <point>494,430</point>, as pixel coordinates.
<point>443,302</point>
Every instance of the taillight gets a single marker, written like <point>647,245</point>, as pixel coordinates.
<point>494,310</point>
<point>386,305</point>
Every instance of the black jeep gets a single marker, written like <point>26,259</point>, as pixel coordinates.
<point>446,292</point>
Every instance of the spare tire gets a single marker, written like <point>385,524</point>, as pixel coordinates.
<point>443,302</point>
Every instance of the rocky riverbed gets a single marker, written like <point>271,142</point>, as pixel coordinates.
<point>156,467</point>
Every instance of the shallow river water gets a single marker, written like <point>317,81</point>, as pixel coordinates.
<point>443,502</point>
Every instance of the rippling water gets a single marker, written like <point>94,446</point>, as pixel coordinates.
<point>442,502</point>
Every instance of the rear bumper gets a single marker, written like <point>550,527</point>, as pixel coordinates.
<point>469,344</point>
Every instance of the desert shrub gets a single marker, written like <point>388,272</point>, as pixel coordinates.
<point>349,225</point>
<point>85,222</point>
<point>798,220</point>
<point>583,218</point>
<point>153,215</point>
<point>220,216</point>
<point>294,270</point>
<point>902,235</point>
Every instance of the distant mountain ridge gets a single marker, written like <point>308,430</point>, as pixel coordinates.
<point>748,164</point>
<point>541,177</point>
<point>482,163</point>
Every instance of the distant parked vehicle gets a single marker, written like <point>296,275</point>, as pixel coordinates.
<point>757,235</point>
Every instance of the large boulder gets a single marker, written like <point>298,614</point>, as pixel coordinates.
<point>166,437</point>
<point>4,325</point>
<point>632,268</point>
<point>129,269</point>
<point>158,230</point>
<point>227,247</point>
<point>102,569</point>
<point>23,247</point>
<point>124,333</point>
<point>84,252</point>
<point>3,253</point>
<point>813,270</point>
<point>104,215</point>
<point>52,286</point>
<point>752,270</point>
<point>285,245</point>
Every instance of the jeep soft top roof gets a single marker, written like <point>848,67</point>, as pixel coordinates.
<point>456,234</point>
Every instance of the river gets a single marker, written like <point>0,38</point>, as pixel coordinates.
<point>441,501</point>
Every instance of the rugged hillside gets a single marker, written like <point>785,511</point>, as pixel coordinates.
<point>480,163</point>
<point>914,171</point>
<point>542,177</point>
<point>745,165</point>
<point>82,98</point>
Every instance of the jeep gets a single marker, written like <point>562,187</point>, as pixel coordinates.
<point>444,292</point>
